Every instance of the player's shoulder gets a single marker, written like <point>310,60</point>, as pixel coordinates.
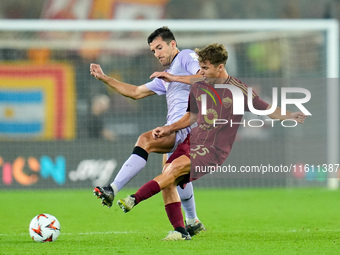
<point>199,82</point>
<point>235,81</point>
<point>188,53</point>
<point>240,84</point>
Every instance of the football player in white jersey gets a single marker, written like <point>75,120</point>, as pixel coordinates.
<point>185,64</point>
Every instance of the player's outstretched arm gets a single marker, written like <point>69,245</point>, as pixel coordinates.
<point>297,116</point>
<point>183,122</point>
<point>125,89</point>
<point>187,79</point>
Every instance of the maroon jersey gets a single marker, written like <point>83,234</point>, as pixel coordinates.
<point>211,144</point>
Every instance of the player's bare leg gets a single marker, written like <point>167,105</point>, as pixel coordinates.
<point>164,180</point>
<point>192,223</point>
<point>167,181</point>
<point>137,160</point>
<point>187,200</point>
<point>160,145</point>
<point>173,210</point>
<point>172,174</point>
<point>134,164</point>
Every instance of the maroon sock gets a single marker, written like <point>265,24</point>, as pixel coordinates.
<point>175,215</point>
<point>147,190</point>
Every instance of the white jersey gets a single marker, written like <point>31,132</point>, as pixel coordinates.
<point>177,93</point>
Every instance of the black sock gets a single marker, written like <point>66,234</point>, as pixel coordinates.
<point>181,230</point>
<point>140,152</point>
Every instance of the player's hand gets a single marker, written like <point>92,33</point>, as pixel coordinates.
<point>159,132</point>
<point>299,117</point>
<point>163,75</point>
<point>97,71</point>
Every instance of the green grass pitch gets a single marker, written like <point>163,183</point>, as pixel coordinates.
<point>238,221</point>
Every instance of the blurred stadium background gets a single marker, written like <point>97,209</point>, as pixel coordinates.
<point>61,128</point>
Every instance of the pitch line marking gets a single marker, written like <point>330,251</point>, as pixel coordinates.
<point>83,233</point>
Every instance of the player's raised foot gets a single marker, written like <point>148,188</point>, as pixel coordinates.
<point>176,236</point>
<point>126,204</point>
<point>106,194</point>
<point>195,228</point>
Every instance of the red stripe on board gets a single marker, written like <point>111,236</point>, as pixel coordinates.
<point>60,106</point>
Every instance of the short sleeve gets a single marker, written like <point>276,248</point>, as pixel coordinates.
<point>190,62</point>
<point>157,86</point>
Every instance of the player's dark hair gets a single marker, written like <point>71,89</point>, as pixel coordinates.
<point>215,53</point>
<point>164,32</point>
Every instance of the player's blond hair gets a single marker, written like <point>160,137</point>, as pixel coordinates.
<point>215,53</point>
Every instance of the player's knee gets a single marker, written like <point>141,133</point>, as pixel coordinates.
<point>169,174</point>
<point>178,166</point>
<point>175,169</point>
<point>144,141</point>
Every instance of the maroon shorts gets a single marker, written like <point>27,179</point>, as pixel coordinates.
<point>182,149</point>
<point>200,157</point>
